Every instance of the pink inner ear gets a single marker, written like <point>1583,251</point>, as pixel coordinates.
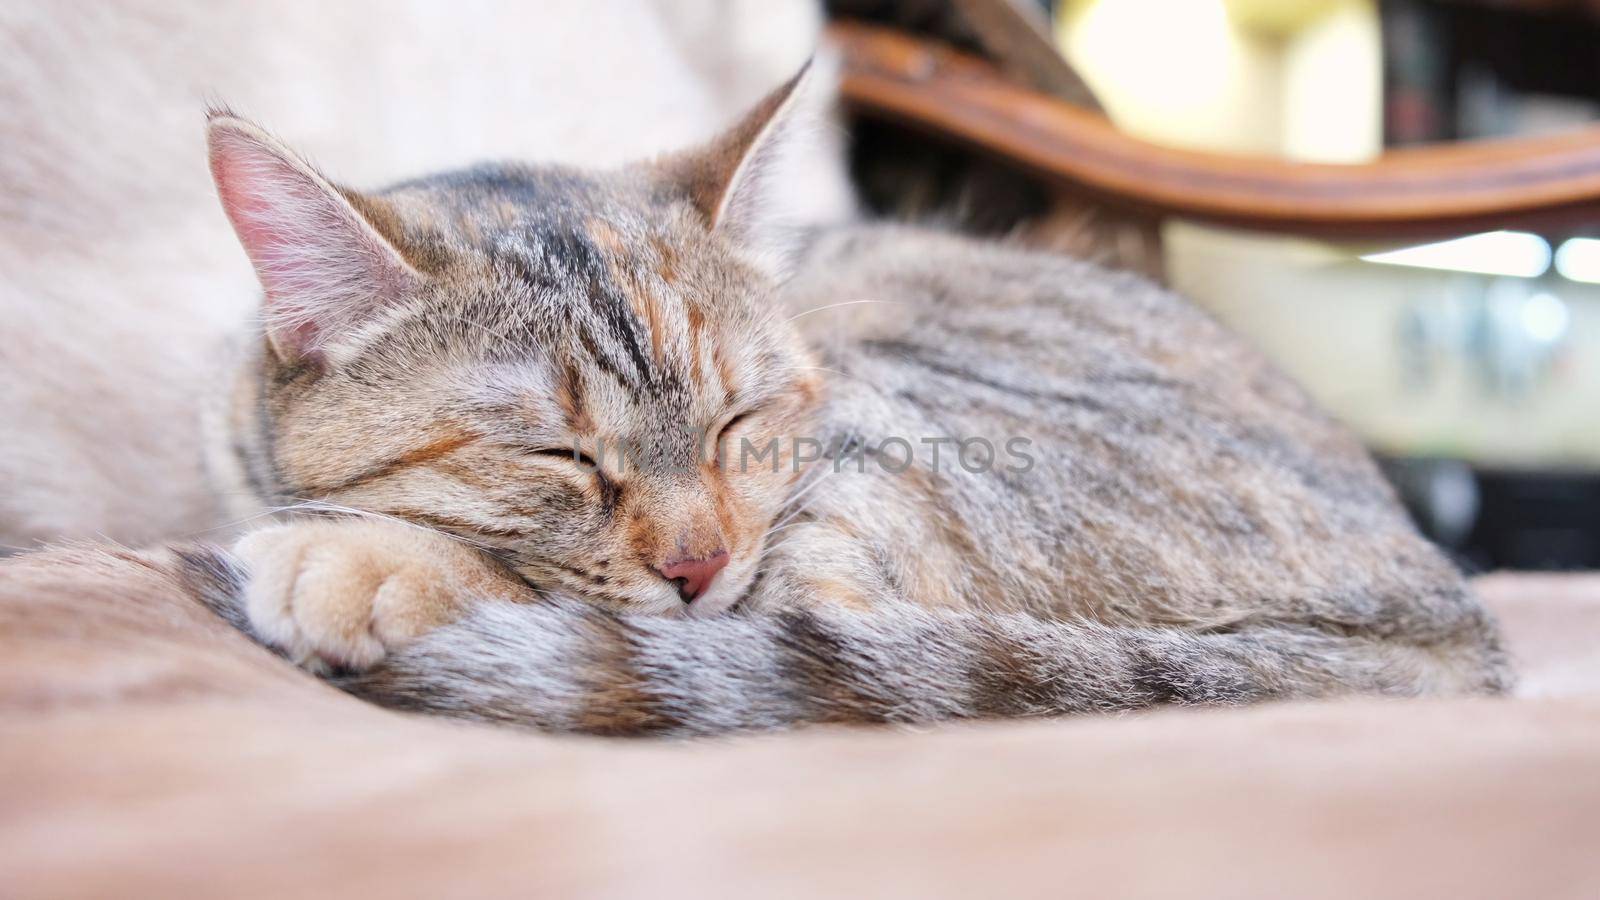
<point>322,266</point>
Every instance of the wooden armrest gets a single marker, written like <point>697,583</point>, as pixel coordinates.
<point>1448,188</point>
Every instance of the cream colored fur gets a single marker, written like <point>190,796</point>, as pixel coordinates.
<point>118,274</point>
<point>340,594</point>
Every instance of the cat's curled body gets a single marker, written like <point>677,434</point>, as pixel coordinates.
<point>1191,530</point>
<point>1145,511</point>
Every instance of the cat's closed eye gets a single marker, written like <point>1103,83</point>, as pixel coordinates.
<point>734,422</point>
<point>569,454</point>
<point>719,442</point>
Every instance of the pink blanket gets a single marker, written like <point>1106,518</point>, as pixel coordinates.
<point>148,750</point>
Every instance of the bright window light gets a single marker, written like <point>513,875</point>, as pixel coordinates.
<point>1516,254</point>
<point>1127,49</point>
<point>1579,260</point>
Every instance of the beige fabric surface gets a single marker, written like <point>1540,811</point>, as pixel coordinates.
<point>147,750</point>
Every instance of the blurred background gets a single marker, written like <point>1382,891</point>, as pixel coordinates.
<point>1471,364</point>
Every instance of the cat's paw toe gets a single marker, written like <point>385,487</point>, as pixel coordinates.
<point>337,596</point>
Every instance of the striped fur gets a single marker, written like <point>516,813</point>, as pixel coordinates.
<point>566,667</point>
<point>572,667</point>
<point>1187,527</point>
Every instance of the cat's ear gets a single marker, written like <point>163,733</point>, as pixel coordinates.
<point>737,182</point>
<point>325,268</point>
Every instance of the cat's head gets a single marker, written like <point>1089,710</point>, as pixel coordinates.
<point>545,361</point>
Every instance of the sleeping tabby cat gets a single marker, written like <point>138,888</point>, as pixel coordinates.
<point>983,483</point>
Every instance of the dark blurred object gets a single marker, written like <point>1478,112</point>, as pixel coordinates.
<point>1503,519</point>
<point>1013,34</point>
<point>900,174</point>
<point>1589,8</point>
<point>937,19</point>
<point>1537,520</point>
<point>1465,69</point>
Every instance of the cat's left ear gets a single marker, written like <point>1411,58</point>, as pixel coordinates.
<point>326,268</point>
<point>737,182</point>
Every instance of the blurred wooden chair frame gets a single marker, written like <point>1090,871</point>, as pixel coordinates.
<point>925,86</point>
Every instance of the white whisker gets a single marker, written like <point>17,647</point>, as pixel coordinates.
<point>795,498</point>
<point>818,309</point>
<point>269,511</point>
<point>326,506</point>
<point>773,531</point>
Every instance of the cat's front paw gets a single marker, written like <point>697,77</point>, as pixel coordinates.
<point>340,594</point>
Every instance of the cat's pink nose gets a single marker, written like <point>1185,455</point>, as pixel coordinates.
<point>694,576</point>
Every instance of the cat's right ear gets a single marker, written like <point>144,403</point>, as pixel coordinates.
<point>738,182</point>
<point>325,268</point>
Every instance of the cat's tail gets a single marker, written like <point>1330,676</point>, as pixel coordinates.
<point>564,666</point>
